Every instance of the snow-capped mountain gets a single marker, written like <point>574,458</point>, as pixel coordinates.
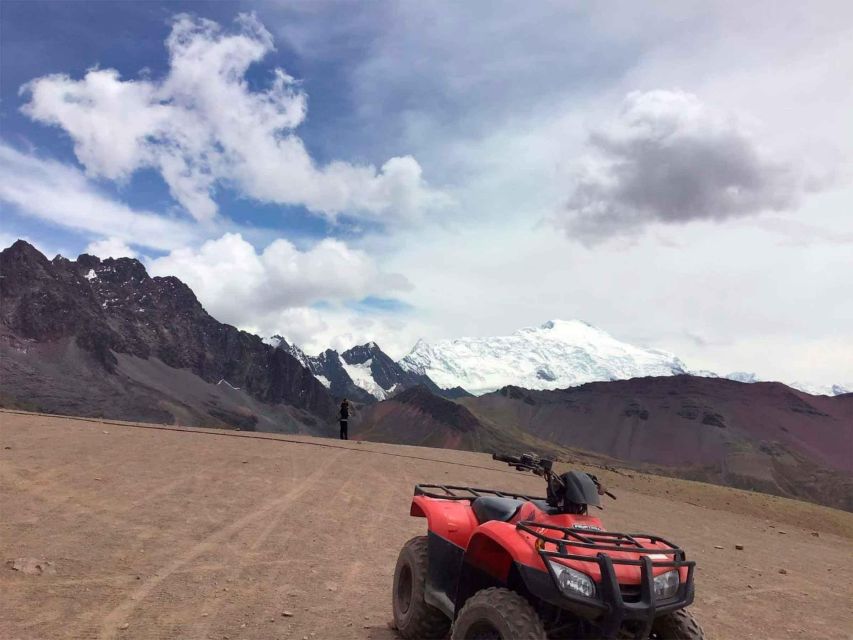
<point>364,373</point>
<point>749,377</point>
<point>372,369</point>
<point>558,354</point>
<point>331,370</point>
<point>743,376</point>
<point>821,389</point>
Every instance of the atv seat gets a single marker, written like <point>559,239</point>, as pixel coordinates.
<point>544,506</point>
<point>489,508</point>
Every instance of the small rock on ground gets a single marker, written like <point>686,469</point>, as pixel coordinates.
<point>31,566</point>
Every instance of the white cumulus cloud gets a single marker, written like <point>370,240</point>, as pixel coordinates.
<point>670,158</point>
<point>110,248</point>
<point>251,289</point>
<point>202,126</point>
<point>315,330</point>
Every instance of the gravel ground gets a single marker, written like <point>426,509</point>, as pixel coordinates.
<point>114,531</point>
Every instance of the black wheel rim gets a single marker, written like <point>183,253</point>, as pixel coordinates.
<point>405,587</point>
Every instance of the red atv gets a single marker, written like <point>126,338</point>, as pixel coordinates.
<point>499,565</point>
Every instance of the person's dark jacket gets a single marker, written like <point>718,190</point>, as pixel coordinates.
<point>344,410</point>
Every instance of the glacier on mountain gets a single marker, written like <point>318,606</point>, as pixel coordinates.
<point>558,354</point>
<point>362,377</point>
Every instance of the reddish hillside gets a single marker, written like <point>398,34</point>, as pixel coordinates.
<point>764,435</point>
<point>679,420</point>
<point>417,416</point>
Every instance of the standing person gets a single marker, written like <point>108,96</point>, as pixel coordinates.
<point>344,419</point>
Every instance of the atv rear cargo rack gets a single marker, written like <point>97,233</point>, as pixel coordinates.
<point>617,603</point>
<point>450,492</point>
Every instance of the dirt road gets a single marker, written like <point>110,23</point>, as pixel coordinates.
<point>191,534</point>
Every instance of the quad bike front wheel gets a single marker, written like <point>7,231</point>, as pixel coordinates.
<point>497,614</point>
<point>678,625</point>
<point>415,619</point>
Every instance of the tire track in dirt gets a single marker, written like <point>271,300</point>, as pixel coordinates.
<point>364,570</point>
<point>118,614</point>
<point>330,600</point>
<point>245,560</point>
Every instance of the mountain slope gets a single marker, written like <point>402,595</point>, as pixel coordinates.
<point>556,355</point>
<point>420,417</point>
<point>64,321</point>
<point>762,435</point>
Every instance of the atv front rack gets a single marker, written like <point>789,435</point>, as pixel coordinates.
<point>450,492</point>
<point>599,540</point>
<point>616,603</point>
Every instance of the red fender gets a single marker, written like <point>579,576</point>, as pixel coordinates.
<point>492,546</point>
<point>496,545</point>
<point>453,520</point>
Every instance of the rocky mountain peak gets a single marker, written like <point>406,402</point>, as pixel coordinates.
<point>21,255</point>
<point>24,248</point>
<point>112,306</point>
<point>84,260</point>
<point>364,352</point>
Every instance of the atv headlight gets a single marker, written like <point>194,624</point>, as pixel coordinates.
<point>571,581</point>
<point>666,584</point>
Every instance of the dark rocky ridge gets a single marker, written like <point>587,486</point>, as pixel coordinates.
<point>110,307</point>
<point>386,373</point>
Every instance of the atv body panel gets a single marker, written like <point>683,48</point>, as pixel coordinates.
<point>479,538</point>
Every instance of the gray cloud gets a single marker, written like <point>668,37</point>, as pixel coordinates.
<point>669,158</point>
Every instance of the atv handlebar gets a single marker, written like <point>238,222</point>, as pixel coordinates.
<point>530,462</point>
<point>542,467</point>
<point>601,490</point>
<point>507,459</point>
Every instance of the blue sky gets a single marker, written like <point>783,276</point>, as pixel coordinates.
<point>72,37</point>
<point>340,172</point>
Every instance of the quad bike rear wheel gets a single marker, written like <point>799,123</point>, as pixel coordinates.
<point>678,625</point>
<point>415,619</point>
<point>497,614</point>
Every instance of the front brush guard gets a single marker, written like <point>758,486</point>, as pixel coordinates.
<point>612,606</point>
